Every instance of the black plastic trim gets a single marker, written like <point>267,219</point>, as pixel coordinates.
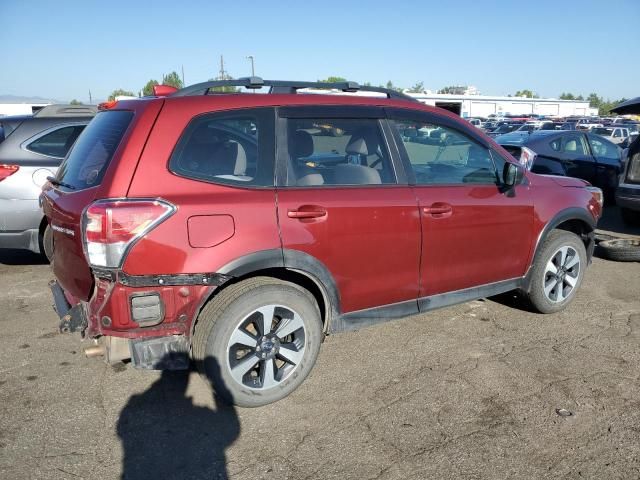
<point>372,316</point>
<point>331,111</point>
<point>214,279</point>
<point>385,313</point>
<point>433,302</point>
<point>254,261</point>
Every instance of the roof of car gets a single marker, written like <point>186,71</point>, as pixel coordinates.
<point>522,137</point>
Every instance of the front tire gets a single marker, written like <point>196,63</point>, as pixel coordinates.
<point>557,272</point>
<point>257,340</point>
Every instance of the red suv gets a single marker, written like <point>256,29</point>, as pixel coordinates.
<point>238,230</point>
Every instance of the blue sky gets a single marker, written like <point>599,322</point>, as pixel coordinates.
<point>62,48</point>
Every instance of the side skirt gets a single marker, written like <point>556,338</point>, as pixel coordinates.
<point>372,316</point>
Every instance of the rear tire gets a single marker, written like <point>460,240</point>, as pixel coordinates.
<point>557,272</point>
<point>46,243</point>
<point>257,340</point>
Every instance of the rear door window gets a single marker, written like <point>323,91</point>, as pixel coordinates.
<point>604,150</point>
<point>574,145</point>
<point>57,142</point>
<point>337,151</point>
<point>233,148</point>
<point>88,160</point>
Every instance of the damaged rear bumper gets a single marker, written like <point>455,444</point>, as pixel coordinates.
<point>170,352</point>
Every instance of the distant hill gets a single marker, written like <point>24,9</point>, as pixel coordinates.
<point>20,99</point>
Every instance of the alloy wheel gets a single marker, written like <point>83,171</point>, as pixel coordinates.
<point>561,274</point>
<point>266,347</point>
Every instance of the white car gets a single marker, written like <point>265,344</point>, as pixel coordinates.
<point>618,135</point>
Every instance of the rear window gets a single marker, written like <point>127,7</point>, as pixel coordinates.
<point>234,148</point>
<point>89,158</point>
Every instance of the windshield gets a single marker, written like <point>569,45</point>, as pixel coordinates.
<point>89,158</point>
<point>602,131</point>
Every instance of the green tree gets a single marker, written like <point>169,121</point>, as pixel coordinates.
<point>567,96</point>
<point>147,90</point>
<point>120,92</point>
<point>595,101</point>
<point>172,79</point>
<point>417,88</point>
<point>226,89</point>
<point>391,86</point>
<point>453,90</point>
<point>75,102</point>
<point>526,93</point>
<point>333,80</point>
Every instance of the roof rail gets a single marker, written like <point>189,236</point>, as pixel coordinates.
<point>285,86</point>
<point>66,111</point>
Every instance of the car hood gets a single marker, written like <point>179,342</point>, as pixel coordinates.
<point>567,181</point>
<point>629,107</point>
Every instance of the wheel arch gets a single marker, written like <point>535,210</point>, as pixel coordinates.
<point>575,220</point>
<point>291,266</point>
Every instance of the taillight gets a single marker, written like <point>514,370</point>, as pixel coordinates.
<point>111,227</point>
<point>7,170</point>
<point>527,156</point>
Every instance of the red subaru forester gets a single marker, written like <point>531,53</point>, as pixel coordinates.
<point>238,229</point>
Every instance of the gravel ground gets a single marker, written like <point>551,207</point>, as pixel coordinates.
<point>470,391</point>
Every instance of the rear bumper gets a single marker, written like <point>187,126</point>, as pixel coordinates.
<point>26,240</point>
<point>72,319</point>
<point>164,347</point>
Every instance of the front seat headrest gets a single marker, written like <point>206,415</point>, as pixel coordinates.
<point>364,141</point>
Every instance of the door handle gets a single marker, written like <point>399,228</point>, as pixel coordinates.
<point>438,210</point>
<point>301,214</point>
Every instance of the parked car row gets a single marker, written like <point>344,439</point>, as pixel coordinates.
<point>628,192</point>
<point>31,149</point>
<point>568,153</point>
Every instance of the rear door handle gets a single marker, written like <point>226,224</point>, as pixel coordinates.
<point>438,210</point>
<point>301,214</point>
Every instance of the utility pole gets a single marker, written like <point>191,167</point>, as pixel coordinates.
<point>253,70</point>
<point>223,74</point>
<point>90,99</point>
<point>182,68</point>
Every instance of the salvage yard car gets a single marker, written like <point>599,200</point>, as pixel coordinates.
<point>628,192</point>
<point>31,149</point>
<point>568,153</point>
<point>229,228</point>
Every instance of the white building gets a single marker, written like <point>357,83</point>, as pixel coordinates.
<point>7,109</point>
<point>485,105</point>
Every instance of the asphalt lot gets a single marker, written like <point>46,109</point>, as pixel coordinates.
<point>465,392</point>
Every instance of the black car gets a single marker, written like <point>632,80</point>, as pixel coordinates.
<point>628,193</point>
<point>568,153</point>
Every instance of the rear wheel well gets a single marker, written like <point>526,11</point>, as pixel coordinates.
<point>292,276</point>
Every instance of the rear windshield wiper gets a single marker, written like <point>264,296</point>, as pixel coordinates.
<point>58,183</point>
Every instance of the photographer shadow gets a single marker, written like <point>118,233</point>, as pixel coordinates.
<point>165,435</point>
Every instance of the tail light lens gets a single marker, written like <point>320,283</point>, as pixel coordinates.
<point>7,170</point>
<point>111,227</point>
<point>597,195</point>
<point>527,156</point>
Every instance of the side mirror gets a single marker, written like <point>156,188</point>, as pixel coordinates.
<point>512,174</point>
